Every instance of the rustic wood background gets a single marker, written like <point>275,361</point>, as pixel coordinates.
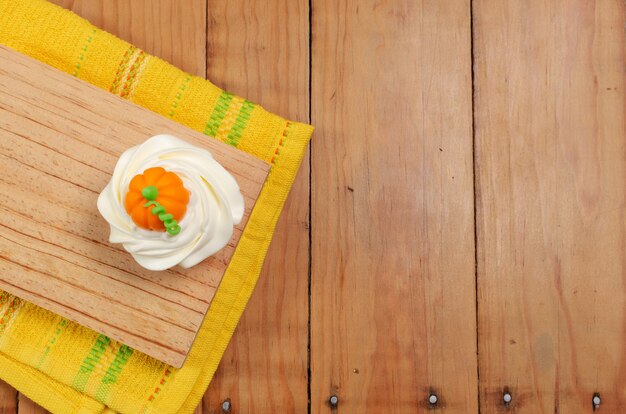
<point>459,228</point>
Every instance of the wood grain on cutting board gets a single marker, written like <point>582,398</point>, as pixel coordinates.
<point>57,152</point>
<point>551,171</point>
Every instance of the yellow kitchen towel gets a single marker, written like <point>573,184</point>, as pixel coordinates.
<point>68,368</point>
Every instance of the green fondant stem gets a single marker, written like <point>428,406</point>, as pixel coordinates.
<point>170,224</point>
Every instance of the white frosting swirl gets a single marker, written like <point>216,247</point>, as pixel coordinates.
<point>215,204</point>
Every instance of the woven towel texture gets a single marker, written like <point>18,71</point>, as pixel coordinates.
<point>68,368</point>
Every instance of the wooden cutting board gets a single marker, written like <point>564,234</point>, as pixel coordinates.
<point>60,139</point>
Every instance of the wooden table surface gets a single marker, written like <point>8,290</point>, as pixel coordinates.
<point>458,228</point>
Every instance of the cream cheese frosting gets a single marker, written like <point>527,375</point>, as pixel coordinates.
<point>215,205</point>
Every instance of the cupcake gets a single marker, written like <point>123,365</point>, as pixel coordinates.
<point>170,203</point>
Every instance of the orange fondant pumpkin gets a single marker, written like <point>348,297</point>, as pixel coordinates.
<point>170,193</point>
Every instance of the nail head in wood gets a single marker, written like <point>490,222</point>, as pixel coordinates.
<point>507,398</point>
<point>596,400</point>
<point>432,399</point>
<point>226,406</point>
<point>333,401</point>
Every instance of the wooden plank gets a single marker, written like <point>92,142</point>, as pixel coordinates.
<point>8,399</point>
<point>392,315</point>
<point>27,406</point>
<point>259,49</point>
<point>551,185</point>
<point>47,144</point>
